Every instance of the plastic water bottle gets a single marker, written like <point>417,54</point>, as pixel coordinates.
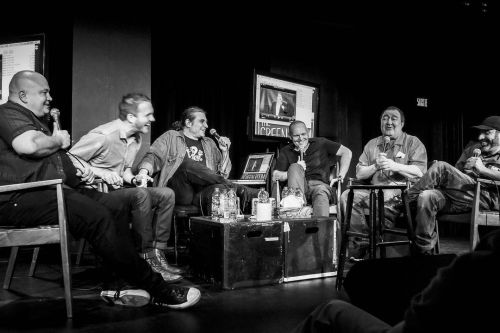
<point>263,196</point>
<point>285,192</point>
<point>215,203</point>
<point>231,204</point>
<point>223,212</point>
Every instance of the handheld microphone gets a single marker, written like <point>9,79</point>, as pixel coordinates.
<point>55,113</point>
<point>387,140</point>
<point>476,152</point>
<point>214,133</point>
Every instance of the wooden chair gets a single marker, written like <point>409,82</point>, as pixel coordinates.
<point>476,217</point>
<point>15,237</point>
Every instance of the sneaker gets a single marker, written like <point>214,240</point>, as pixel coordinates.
<point>127,297</point>
<point>160,255</point>
<point>357,253</point>
<point>156,267</point>
<point>177,297</point>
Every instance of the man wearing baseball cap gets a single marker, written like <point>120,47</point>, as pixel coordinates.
<point>447,189</point>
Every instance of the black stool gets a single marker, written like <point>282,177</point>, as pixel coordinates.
<point>376,225</point>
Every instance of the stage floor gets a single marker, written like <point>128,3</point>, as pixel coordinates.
<point>37,304</point>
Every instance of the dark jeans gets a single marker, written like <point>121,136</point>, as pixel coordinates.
<point>341,316</point>
<point>193,184</point>
<point>151,211</point>
<point>102,222</point>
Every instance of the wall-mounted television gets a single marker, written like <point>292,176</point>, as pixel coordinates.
<point>278,101</point>
<point>17,54</point>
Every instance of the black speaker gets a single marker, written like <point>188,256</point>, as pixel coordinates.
<point>384,287</point>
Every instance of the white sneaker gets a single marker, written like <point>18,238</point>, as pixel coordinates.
<point>127,297</point>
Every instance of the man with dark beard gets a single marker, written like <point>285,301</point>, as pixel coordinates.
<point>447,189</point>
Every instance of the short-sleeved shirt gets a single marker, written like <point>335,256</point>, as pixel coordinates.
<point>490,161</point>
<point>107,147</point>
<point>406,149</point>
<point>194,150</point>
<point>14,168</point>
<point>318,158</point>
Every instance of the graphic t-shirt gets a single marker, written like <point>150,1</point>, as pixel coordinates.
<point>194,150</point>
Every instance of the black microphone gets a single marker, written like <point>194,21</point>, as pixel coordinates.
<point>214,133</point>
<point>476,152</point>
<point>54,113</point>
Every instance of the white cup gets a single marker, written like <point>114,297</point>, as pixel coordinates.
<point>264,211</point>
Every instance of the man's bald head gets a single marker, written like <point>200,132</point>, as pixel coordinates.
<point>23,80</point>
<point>31,90</point>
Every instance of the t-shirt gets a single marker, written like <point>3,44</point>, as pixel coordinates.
<point>194,150</point>
<point>14,168</point>
<point>318,157</point>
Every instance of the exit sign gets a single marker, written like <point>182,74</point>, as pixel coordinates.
<point>422,102</point>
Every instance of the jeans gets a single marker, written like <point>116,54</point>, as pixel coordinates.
<point>102,222</point>
<point>340,316</point>
<point>315,191</point>
<point>193,184</point>
<point>151,212</point>
<point>360,203</point>
<point>442,189</point>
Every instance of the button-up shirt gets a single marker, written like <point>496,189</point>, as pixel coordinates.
<point>107,147</point>
<point>406,149</point>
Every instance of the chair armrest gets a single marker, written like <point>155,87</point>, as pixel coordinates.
<point>24,186</point>
<point>488,181</point>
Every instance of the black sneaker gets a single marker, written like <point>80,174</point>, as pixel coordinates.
<point>177,297</point>
<point>126,297</point>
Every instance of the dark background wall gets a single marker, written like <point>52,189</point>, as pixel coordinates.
<point>363,57</point>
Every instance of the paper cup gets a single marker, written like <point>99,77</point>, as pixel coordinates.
<point>264,211</point>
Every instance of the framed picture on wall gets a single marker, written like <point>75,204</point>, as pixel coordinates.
<point>278,101</point>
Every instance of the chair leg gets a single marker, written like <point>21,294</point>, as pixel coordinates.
<point>34,259</point>
<point>437,246</point>
<point>66,277</point>
<point>174,225</point>
<point>10,267</point>
<point>81,248</point>
<point>344,241</point>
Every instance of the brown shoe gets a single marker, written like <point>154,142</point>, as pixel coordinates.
<point>160,256</point>
<point>156,266</point>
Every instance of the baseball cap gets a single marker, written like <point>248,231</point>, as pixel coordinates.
<point>489,123</point>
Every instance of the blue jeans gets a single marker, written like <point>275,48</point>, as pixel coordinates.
<point>151,212</point>
<point>360,203</point>
<point>442,189</point>
<point>315,191</point>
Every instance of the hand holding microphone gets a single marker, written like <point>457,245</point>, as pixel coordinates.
<point>224,142</point>
<point>475,162</point>
<point>64,136</point>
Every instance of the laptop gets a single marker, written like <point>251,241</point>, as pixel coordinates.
<point>256,170</point>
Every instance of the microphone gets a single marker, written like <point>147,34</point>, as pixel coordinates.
<point>476,152</point>
<point>214,133</point>
<point>54,113</point>
<point>387,140</point>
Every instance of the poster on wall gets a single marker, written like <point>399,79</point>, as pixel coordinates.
<point>278,101</point>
